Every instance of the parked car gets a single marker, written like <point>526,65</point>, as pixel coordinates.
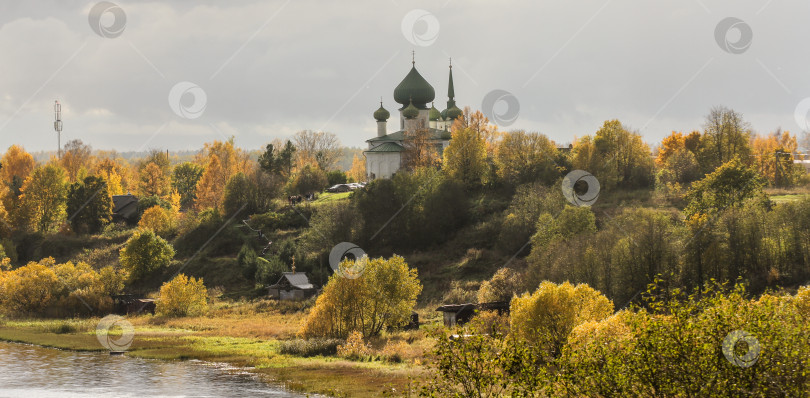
<point>339,188</point>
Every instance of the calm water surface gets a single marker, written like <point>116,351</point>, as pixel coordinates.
<point>29,371</point>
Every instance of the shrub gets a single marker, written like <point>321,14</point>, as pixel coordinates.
<point>546,317</point>
<point>144,253</point>
<point>354,348</point>
<point>310,347</point>
<point>182,296</point>
<point>504,284</point>
<point>247,261</point>
<point>335,177</point>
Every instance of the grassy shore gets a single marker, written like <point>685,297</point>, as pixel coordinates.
<point>243,337</point>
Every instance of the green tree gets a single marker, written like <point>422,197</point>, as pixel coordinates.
<point>88,205</point>
<point>276,160</point>
<point>144,253</point>
<point>44,196</point>
<point>726,137</point>
<point>731,184</point>
<point>616,156</point>
<point>184,180</point>
<point>269,271</point>
<point>335,177</point>
<point>308,180</point>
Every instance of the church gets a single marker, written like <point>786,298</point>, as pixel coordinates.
<point>384,153</point>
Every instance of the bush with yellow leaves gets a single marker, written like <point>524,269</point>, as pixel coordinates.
<point>182,296</point>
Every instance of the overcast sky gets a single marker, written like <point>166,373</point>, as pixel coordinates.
<point>270,68</point>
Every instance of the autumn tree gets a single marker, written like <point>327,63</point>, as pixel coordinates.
<point>726,136</point>
<point>210,187</point>
<point>465,159</point>
<point>182,296</point>
<point>774,157</point>
<point>154,181</point>
<point>157,219</point>
<point>255,191</point>
<point>671,144</point>
<point>420,150</point>
<point>223,160</point>
<point>546,317</point>
<point>526,157</point>
<point>17,165</point>
<point>88,204</point>
<point>357,173</point>
<point>383,295</point>
<point>76,159</point>
<point>321,147</point>
<point>481,125</point>
<point>44,195</point>
<point>184,181</point>
<point>616,156</point>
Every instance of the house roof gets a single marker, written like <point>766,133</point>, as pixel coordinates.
<point>435,134</point>
<point>495,305</point>
<point>125,205</point>
<point>387,147</point>
<point>296,279</point>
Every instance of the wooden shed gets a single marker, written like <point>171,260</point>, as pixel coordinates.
<point>291,286</point>
<point>125,208</point>
<point>459,314</point>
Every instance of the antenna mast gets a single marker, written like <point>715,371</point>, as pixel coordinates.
<point>57,125</point>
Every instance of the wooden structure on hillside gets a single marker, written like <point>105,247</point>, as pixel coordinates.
<point>126,304</point>
<point>459,314</point>
<point>125,208</point>
<point>291,286</point>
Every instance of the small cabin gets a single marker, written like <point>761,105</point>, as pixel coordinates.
<point>459,314</point>
<point>291,286</point>
<point>125,208</point>
<point>126,304</point>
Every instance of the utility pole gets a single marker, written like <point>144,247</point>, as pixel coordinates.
<point>57,125</point>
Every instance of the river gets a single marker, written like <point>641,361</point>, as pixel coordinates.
<point>31,372</point>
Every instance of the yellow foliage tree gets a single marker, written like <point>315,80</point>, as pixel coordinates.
<point>669,145</point>
<point>383,295</point>
<point>774,157</point>
<point>525,157</point>
<point>465,159</point>
<point>154,182</point>
<point>157,219</point>
<point>182,296</point>
<point>210,187</point>
<point>44,196</point>
<point>16,163</point>
<point>358,170</point>
<point>546,317</point>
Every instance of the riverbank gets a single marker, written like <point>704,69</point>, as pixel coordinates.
<point>246,340</point>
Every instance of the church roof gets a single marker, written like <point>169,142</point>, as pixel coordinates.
<point>435,134</point>
<point>387,147</point>
<point>381,114</point>
<point>414,87</point>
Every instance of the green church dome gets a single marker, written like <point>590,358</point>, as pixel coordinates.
<point>454,113</point>
<point>414,88</point>
<point>410,112</point>
<point>381,114</point>
<point>434,114</point>
<point>444,114</point>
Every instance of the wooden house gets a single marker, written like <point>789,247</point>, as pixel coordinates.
<point>292,286</point>
<point>459,314</point>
